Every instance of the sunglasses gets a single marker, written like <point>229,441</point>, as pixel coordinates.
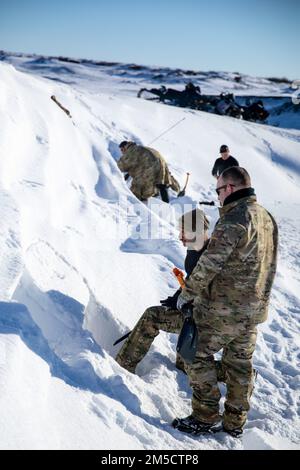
<point>218,190</point>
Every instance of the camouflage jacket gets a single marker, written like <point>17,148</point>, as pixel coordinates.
<point>146,164</point>
<point>234,276</point>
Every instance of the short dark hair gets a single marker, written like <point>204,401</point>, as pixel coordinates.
<point>123,144</point>
<point>238,175</point>
<point>224,148</point>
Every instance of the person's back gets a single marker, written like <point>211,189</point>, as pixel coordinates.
<point>229,289</point>
<point>224,162</point>
<point>148,169</point>
<point>137,159</point>
<point>246,279</point>
<point>147,165</point>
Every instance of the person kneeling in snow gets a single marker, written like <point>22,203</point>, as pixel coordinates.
<point>149,171</point>
<point>166,317</point>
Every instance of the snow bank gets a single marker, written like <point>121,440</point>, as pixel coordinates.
<point>77,269</point>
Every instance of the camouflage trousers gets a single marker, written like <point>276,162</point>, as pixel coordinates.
<point>144,333</point>
<point>237,340</point>
<point>143,189</point>
<point>235,368</point>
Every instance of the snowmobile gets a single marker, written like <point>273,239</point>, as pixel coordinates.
<point>190,97</point>
<point>162,94</point>
<point>227,106</point>
<point>255,112</point>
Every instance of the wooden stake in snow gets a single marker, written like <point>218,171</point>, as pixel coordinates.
<point>61,106</point>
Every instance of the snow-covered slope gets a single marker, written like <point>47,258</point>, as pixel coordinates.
<point>126,79</point>
<point>123,77</point>
<point>78,270</point>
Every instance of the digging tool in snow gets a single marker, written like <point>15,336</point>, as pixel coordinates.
<point>188,336</point>
<point>182,192</point>
<point>179,275</point>
<point>207,203</point>
<point>188,339</point>
<point>122,338</point>
<point>61,106</point>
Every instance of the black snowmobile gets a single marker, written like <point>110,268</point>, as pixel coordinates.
<point>255,112</point>
<point>162,94</point>
<point>190,97</point>
<point>227,106</point>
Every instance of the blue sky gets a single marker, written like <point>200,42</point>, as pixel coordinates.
<point>257,37</point>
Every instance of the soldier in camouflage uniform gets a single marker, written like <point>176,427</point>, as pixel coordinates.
<point>166,317</point>
<point>229,290</point>
<point>148,169</point>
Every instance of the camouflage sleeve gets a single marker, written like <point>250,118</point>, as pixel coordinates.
<point>130,160</point>
<point>122,164</point>
<point>222,243</point>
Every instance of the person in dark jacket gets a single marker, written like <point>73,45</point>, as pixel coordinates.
<point>193,228</point>
<point>225,161</point>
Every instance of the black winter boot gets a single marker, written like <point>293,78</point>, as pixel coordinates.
<point>163,192</point>
<point>192,425</point>
<point>234,432</point>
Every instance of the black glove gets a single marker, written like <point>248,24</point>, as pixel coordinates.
<point>171,301</point>
<point>126,176</point>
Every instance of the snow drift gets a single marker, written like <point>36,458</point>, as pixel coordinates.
<point>76,273</point>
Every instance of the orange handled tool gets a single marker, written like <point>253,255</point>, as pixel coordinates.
<point>180,276</point>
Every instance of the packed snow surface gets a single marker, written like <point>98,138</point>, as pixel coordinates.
<point>81,258</point>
